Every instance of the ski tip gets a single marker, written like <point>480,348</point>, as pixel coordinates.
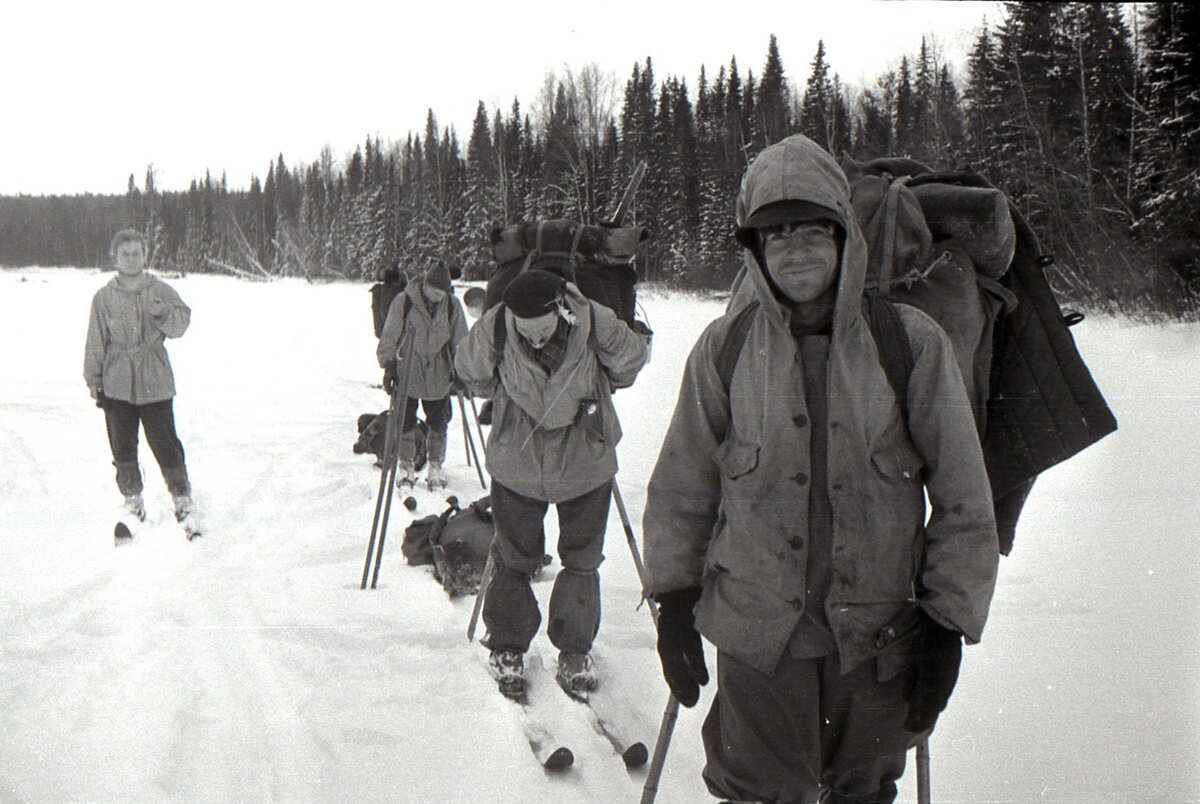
<point>560,759</point>
<point>122,534</point>
<point>636,755</point>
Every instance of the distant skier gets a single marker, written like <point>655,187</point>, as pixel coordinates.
<point>785,517</point>
<point>431,317</point>
<point>553,440</point>
<point>127,371</point>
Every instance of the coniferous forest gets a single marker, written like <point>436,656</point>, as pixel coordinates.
<point>1089,120</point>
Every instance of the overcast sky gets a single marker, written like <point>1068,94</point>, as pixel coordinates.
<point>93,91</point>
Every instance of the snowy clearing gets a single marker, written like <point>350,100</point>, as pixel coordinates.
<point>248,665</point>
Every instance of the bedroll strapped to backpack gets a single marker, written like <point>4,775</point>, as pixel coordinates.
<point>983,280</point>
<point>597,259</point>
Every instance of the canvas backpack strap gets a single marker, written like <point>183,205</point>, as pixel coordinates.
<point>592,342</point>
<point>891,340</point>
<point>574,258</point>
<point>499,332</point>
<point>731,347</point>
<point>536,251</point>
<point>891,202</point>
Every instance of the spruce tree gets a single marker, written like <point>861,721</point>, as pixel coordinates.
<point>772,102</point>
<point>814,107</point>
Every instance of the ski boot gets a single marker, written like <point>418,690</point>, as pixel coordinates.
<point>407,475</point>
<point>133,513</point>
<point>575,674</point>
<point>185,515</point>
<point>508,668</point>
<point>435,476</point>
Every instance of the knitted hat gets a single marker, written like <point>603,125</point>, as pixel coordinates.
<point>533,293</point>
<point>438,277</point>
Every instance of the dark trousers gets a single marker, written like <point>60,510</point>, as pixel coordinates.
<point>510,610</point>
<point>806,731</point>
<point>438,413</point>
<point>158,420</point>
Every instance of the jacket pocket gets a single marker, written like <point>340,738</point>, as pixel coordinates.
<point>737,458</point>
<point>898,649</point>
<point>898,464</point>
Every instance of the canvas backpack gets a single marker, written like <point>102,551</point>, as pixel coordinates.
<point>596,259</point>
<point>382,295</point>
<point>460,547</point>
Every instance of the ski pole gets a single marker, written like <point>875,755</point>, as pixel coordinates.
<point>670,715</point>
<point>923,792</point>
<point>485,580</point>
<point>398,431</point>
<point>633,548</point>
<point>387,473</point>
<point>466,429</point>
<point>471,442</point>
<point>671,712</point>
<point>478,426</point>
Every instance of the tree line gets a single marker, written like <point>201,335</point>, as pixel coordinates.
<point>1090,122</point>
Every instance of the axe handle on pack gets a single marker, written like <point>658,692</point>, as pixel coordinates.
<point>627,197</point>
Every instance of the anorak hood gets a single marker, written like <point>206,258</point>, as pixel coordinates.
<point>130,284</point>
<point>797,169</point>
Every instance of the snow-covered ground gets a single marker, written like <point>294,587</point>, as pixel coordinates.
<point>248,665</point>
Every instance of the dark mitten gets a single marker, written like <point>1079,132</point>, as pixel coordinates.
<point>679,645</point>
<point>485,413</point>
<point>938,654</point>
<point>389,379</point>
<point>101,399</point>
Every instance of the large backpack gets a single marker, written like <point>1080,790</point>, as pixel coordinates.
<point>955,247</point>
<point>382,295</point>
<point>456,542</point>
<point>597,259</point>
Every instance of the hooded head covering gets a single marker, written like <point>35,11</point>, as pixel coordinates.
<point>795,176</point>
<point>438,277</point>
<point>534,293</point>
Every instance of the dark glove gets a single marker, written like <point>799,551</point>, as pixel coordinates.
<point>485,413</point>
<point>679,646</point>
<point>389,378</point>
<point>937,656</point>
<point>101,399</point>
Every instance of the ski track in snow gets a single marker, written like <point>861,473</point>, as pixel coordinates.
<point>248,664</point>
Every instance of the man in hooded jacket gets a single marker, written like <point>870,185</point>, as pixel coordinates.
<point>785,518</point>
<point>553,440</point>
<point>425,321</point>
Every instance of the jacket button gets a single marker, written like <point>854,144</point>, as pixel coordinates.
<point>800,419</point>
<point>836,486</point>
<point>796,543</point>
<point>800,478</point>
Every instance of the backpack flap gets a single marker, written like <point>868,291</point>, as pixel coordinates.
<point>975,218</point>
<point>890,217</point>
